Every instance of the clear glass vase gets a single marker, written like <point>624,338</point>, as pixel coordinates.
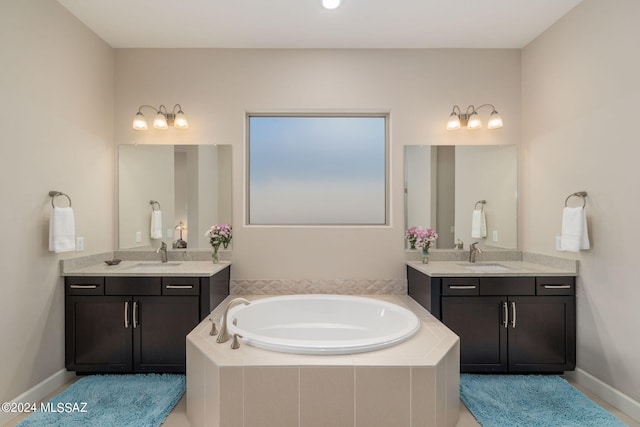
<point>425,256</point>
<point>215,258</point>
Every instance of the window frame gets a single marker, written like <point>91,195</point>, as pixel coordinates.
<point>387,165</point>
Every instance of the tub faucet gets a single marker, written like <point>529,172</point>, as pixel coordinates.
<point>473,251</point>
<point>162,250</point>
<point>223,335</point>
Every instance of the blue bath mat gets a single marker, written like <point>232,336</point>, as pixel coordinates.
<point>531,401</point>
<point>112,400</point>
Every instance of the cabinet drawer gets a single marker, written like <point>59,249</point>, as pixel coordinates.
<point>507,286</point>
<point>132,286</point>
<point>84,285</point>
<point>462,286</point>
<point>180,286</point>
<point>556,285</point>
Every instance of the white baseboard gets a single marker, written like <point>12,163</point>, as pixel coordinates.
<point>606,393</point>
<point>39,392</point>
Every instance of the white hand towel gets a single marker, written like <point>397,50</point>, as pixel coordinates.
<point>62,230</point>
<point>574,230</point>
<point>156,224</point>
<point>478,224</point>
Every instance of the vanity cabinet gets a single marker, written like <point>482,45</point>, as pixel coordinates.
<point>135,324</point>
<point>505,324</point>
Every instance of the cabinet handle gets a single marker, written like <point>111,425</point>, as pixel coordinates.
<point>557,286</point>
<point>135,314</point>
<point>179,286</point>
<point>513,314</point>
<point>126,314</point>
<point>505,315</point>
<point>462,286</point>
<point>83,286</point>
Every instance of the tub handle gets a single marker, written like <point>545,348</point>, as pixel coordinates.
<point>214,330</point>
<point>235,344</point>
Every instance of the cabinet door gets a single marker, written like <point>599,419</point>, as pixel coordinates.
<point>543,337</point>
<point>98,335</point>
<point>478,321</point>
<point>160,330</point>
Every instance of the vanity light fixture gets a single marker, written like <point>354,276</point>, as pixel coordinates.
<point>163,119</point>
<point>470,118</point>
<point>331,4</point>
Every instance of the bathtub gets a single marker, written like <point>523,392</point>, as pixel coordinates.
<point>415,382</point>
<point>322,324</point>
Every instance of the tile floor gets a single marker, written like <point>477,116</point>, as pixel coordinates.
<point>178,417</point>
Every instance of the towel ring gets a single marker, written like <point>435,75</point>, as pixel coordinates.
<point>153,203</point>
<point>482,203</point>
<point>53,194</point>
<point>581,194</point>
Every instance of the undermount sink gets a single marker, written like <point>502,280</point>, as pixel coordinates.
<point>153,266</point>
<point>485,267</point>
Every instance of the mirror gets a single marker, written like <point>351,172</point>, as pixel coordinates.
<point>190,183</point>
<point>444,183</point>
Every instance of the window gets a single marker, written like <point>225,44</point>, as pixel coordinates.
<point>317,170</point>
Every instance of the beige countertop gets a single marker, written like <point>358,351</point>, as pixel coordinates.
<point>137,268</point>
<point>490,269</point>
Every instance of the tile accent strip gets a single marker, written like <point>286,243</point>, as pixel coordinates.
<point>334,286</point>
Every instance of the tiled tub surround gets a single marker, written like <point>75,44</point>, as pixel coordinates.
<point>415,383</point>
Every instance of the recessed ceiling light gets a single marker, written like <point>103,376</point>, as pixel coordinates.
<point>330,4</point>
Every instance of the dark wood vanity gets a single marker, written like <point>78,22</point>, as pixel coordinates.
<point>505,324</point>
<point>135,324</point>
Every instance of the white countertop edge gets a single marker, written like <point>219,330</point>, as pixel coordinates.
<point>465,269</point>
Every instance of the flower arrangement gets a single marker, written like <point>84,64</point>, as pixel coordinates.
<point>412,235</point>
<point>422,239</point>
<point>219,234</point>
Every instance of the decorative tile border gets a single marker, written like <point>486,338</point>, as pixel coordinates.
<point>334,286</point>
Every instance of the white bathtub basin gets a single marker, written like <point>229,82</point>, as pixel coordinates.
<point>322,324</point>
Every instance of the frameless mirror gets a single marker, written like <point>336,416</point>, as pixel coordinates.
<point>444,185</point>
<point>190,183</point>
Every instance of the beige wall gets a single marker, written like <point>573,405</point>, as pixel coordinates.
<point>217,87</point>
<point>580,93</point>
<point>56,92</point>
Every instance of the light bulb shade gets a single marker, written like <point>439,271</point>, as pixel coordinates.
<point>495,121</point>
<point>180,121</point>
<point>139,122</point>
<point>453,123</point>
<point>160,121</point>
<point>330,4</point>
<point>474,121</point>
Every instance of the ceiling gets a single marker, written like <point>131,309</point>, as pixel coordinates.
<point>306,24</point>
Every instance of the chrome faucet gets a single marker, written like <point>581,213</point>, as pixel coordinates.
<point>223,335</point>
<point>162,250</point>
<point>473,251</point>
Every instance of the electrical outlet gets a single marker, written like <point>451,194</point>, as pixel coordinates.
<point>138,236</point>
<point>79,244</point>
<point>169,233</point>
<point>494,237</point>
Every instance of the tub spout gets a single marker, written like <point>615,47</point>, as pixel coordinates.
<point>223,335</point>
